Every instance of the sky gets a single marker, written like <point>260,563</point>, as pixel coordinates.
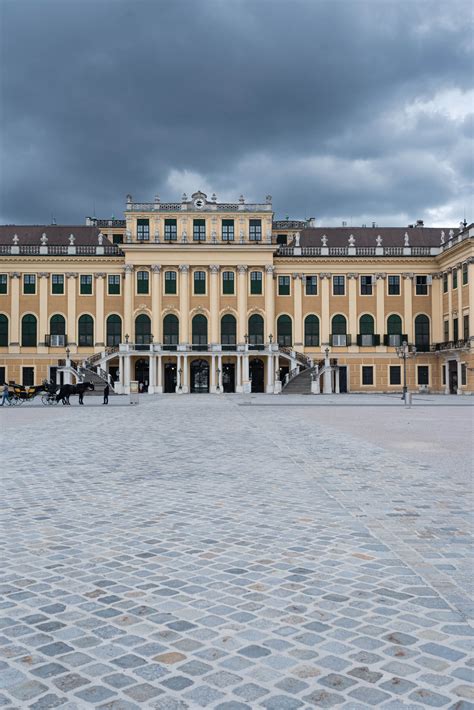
<point>342,110</point>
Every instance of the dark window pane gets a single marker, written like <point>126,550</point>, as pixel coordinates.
<point>228,282</point>
<point>284,331</point>
<point>255,230</point>
<point>338,285</point>
<point>199,230</point>
<point>421,285</point>
<point>199,282</point>
<point>114,284</point>
<point>143,282</point>
<point>311,284</point>
<point>255,330</point>
<point>311,331</point>
<point>366,285</point>
<point>29,283</point>
<point>171,329</point>
<point>3,332</point>
<point>28,376</point>
<point>143,230</point>
<point>228,230</point>
<point>394,285</point>
<point>3,284</point>
<point>86,330</point>
<point>85,285</point>
<point>29,331</point>
<point>170,282</point>
<point>422,333</point>
<point>283,285</point>
<point>395,375</point>
<point>256,282</point>
<point>423,374</point>
<point>117,238</point>
<point>170,230</point>
<point>367,375</point>
<point>57,283</point>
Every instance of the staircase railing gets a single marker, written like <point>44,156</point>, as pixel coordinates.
<point>291,375</point>
<point>300,358</point>
<point>90,361</point>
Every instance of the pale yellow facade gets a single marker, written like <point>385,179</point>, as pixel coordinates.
<point>235,311</point>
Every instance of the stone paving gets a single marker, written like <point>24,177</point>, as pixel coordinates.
<point>236,553</point>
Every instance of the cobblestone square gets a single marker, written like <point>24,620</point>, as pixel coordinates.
<point>233,553</point>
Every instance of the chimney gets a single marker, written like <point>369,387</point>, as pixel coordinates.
<point>420,223</point>
<point>312,222</point>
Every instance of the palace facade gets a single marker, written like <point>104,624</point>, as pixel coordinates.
<point>198,296</point>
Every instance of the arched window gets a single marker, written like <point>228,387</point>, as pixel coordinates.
<point>29,331</point>
<point>57,325</point>
<point>256,329</point>
<point>311,331</point>
<point>86,330</point>
<point>228,332</point>
<point>394,325</point>
<point>422,333</point>
<point>339,331</point>
<point>142,330</point>
<point>114,330</point>
<point>171,331</point>
<point>366,335</point>
<point>3,332</point>
<point>284,331</point>
<point>199,329</point>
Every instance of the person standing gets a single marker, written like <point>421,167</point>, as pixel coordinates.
<point>106,394</point>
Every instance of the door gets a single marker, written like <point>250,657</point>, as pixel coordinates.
<point>453,377</point>
<point>141,374</point>
<point>342,379</point>
<point>170,377</point>
<point>256,370</point>
<point>228,377</point>
<point>199,376</point>
<point>114,372</point>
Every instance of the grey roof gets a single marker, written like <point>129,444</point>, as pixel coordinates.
<point>367,236</point>
<point>57,235</point>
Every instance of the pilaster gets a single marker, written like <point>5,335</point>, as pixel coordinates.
<point>380,304</point>
<point>408,305</point>
<point>241,302</point>
<point>15,279</point>
<point>71,310</point>
<point>128,301</point>
<point>325,280</point>
<point>298,310</point>
<point>353,280</point>
<point>156,302</point>
<point>43,278</point>
<point>269,300</point>
<point>184,303</point>
<point>214,303</point>
<point>99,309</point>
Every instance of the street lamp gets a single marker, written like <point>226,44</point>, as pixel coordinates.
<point>404,351</point>
<point>326,353</point>
<point>179,373</point>
<point>68,352</point>
<point>270,338</point>
<point>246,338</point>
<point>218,379</point>
<point>126,337</point>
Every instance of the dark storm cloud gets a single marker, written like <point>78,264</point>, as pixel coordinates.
<point>338,109</point>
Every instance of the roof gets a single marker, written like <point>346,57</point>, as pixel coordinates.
<point>56,235</point>
<point>367,236</point>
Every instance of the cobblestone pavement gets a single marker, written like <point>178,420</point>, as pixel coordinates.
<point>236,553</point>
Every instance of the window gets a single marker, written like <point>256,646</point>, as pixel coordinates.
<point>199,230</point>
<point>465,277</point>
<point>421,286</point>
<point>455,329</point>
<point>228,332</point>
<point>284,331</point>
<point>281,239</point>
<point>28,331</point>
<point>422,333</point>
<point>171,233</point>
<point>171,331</point>
<point>57,325</point>
<point>143,230</point>
<point>255,334</point>
<point>394,331</point>
<point>311,285</point>
<point>227,230</point>
<point>463,374</point>
<point>446,330</point>
<point>465,322</point>
<point>338,286</point>
<point>443,374</point>
<point>199,282</point>
<point>394,285</point>
<point>86,331</point>
<point>28,376</point>
<point>85,285</point>
<point>395,375</point>
<point>114,330</point>
<point>3,332</point>
<point>29,283</point>
<point>113,282</point>
<point>445,283</point>
<point>255,230</point>
<point>366,336</point>
<point>142,330</point>
<point>3,284</point>
<point>339,331</point>
<point>423,375</point>
<point>3,375</point>
<point>143,282</point>
<point>199,331</point>
<point>170,282</point>
<point>283,285</point>
<point>57,283</point>
<point>366,285</point>
<point>117,238</point>
<point>256,282</point>
<point>228,282</point>
<point>367,375</point>
<point>455,278</point>
<point>311,331</point>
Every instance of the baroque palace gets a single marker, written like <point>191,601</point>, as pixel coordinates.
<point>202,296</point>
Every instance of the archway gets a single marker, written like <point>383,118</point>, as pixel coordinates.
<point>142,373</point>
<point>257,374</point>
<point>199,376</point>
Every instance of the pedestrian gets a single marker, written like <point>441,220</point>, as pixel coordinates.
<point>106,394</point>
<point>4,394</point>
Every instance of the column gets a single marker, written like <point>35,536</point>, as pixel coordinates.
<point>327,384</point>
<point>213,374</point>
<point>71,310</point>
<point>450,304</point>
<point>460,311</point>
<point>270,374</point>
<point>99,309</point>
<point>298,310</point>
<point>184,303</point>
<point>336,384</point>
<point>459,366</point>
<point>270,301</point>
<point>446,376</point>
<point>353,327</point>
<point>219,367</point>
<point>43,307</point>
<point>214,303</point>
<point>156,301</point>
<point>242,302</point>
<point>470,277</point>
<point>15,278</point>
<point>152,374</point>
<point>408,306</point>
<point>238,384</point>
<point>126,375</point>
<point>436,312</point>
<point>380,305</point>
<point>128,301</point>
<point>185,382</point>
<point>179,375</point>
<point>325,280</point>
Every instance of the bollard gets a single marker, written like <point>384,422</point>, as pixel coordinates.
<point>408,397</point>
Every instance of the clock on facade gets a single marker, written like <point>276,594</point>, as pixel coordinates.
<point>199,203</point>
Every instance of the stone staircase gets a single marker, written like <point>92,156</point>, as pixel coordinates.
<point>301,384</point>
<point>99,382</point>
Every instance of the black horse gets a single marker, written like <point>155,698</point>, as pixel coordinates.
<point>67,390</point>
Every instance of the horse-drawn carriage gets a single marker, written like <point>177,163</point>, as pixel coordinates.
<point>50,393</point>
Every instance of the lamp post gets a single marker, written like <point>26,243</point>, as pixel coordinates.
<point>270,338</point>
<point>218,379</point>
<point>68,352</point>
<point>326,352</point>
<point>179,373</point>
<point>126,338</point>
<point>404,351</point>
<point>246,338</point>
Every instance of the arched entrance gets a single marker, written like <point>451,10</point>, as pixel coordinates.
<point>228,377</point>
<point>170,379</point>
<point>256,372</point>
<point>142,374</point>
<point>199,376</point>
